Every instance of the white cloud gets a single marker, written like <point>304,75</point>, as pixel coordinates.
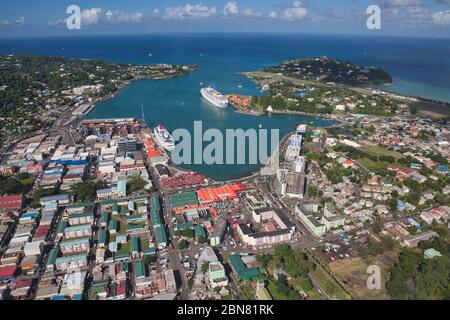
<point>119,16</point>
<point>231,8</point>
<point>189,11</point>
<point>155,13</point>
<point>251,13</point>
<point>442,18</point>
<point>296,12</point>
<point>273,15</point>
<point>18,22</point>
<point>91,16</point>
<point>403,3</point>
<point>98,15</point>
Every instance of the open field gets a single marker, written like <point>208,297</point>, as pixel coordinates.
<point>433,110</point>
<point>329,285</point>
<point>353,272</point>
<point>380,151</point>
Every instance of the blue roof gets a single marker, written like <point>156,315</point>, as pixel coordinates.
<point>77,297</point>
<point>55,197</point>
<point>58,298</point>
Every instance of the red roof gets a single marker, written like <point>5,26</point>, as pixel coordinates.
<point>11,202</point>
<point>24,283</point>
<point>7,271</point>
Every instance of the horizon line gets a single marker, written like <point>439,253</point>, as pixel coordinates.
<point>287,33</point>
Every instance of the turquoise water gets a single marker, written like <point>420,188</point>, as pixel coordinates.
<point>177,103</point>
<point>418,66</point>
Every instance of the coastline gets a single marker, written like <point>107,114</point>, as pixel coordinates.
<point>125,84</point>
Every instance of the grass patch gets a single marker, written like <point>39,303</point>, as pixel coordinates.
<point>373,165</point>
<point>124,248</point>
<point>380,151</point>
<point>331,287</point>
<point>247,291</point>
<point>353,272</point>
<point>122,224</point>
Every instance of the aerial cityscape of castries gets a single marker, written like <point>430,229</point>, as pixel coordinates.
<point>103,214</point>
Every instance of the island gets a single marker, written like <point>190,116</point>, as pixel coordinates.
<point>35,91</point>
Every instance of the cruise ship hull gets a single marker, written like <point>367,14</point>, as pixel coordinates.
<point>169,146</point>
<point>218,104</point>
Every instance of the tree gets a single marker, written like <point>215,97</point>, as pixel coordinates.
<point>86,191</point>
<point>264,259</point>
<point>183,244</point>
<point>136,184</point>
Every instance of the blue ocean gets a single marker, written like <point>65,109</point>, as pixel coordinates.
<point>420,67</point>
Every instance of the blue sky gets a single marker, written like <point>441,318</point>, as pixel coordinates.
<point>424,18</point>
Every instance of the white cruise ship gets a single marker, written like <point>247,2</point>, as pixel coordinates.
<point>214,97</point>
<point>164,138</point>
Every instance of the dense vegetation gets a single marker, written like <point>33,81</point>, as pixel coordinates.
<point>321,99</point>
<point>86,191</point>
<point>19,184</point>
<point>330,70</point>
<point>415,277</point>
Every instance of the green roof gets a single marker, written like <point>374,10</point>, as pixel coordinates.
<point>161,237</point>
<point>104,217</point>
<point>135,244</point>
<point>80,215</point>
<point>108,202</point>
<point>78,227</point>
<point>183,226</point>
<point>199,231</point>
<point>133,227</point>
<point>61,227</point>
<point>183,199</point>
<point>122,255</point>
<point>241,269</point>
<point>102,235</point>
<point>112,224</point>
<point>140,270</point>
<point>52,256</point>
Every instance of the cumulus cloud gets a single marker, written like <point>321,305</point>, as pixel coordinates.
<point>189,11</point>
<point>251,13</point>
<point>273,14</point>
<point>119,16</point>
<point>155,13</point>
<point>296,12</point>
<point>91,16</point>
<point>442,18</point>
<point>231,8</point>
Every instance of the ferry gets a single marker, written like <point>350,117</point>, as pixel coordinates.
<point>214,97</point>
<point>164,138</point>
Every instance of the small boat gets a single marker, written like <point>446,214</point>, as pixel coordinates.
<point>240,86</point>
<point>201,83</point>
<point>150,55</point>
